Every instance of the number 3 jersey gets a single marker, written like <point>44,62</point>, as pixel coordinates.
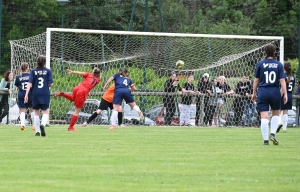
<point>269,71</point>
<point>21,82</point>
<point>40,78</point>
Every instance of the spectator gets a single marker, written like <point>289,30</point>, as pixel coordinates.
<point>269,74</point>
<point>221,88</point>
<point>186,100</point>
<point>5,85</point>
<point>40,79</point>
<point>242,88</point>
<point>21,83</point>
<point>205,87</point>
<point>250,107</point>
<point>290,84</point>
<point>170,86</point>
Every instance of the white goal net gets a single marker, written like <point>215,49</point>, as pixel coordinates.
<point>150,59</point>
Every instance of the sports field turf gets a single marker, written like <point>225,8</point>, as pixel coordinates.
<point>148,159</point>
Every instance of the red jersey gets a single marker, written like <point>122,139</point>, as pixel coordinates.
<point>89,82</point>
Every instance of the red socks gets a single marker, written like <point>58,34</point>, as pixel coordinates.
<point>73,121</point>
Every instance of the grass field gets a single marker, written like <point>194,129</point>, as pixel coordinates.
<point>148,159</point>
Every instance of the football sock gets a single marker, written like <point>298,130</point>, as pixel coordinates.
<point>265,128</point>
<point>284,121</point>
<point>37,123</point>
<point>136,108</point>
<point>32,117</point>
<point>68,96</point>
<point>274,124</point>
<point>92,117</point>
<point>114,117</point>
<point>73,121</point>
<point>45,118</point>
<point>22,118</point>
<point>120,117</point>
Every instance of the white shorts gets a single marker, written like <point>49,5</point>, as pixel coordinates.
<point>221,100</point>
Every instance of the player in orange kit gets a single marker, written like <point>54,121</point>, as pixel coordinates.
<point>105,103</point>
<point>80,92</point>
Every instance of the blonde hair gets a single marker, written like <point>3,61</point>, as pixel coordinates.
<point>222,77</point>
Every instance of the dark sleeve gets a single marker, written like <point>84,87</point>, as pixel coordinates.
<point>227,87</point>
<point>168,86</point>
<point>237,89</point>
<point>199,86</point>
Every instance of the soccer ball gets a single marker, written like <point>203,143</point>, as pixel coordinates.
<point>179,64</point>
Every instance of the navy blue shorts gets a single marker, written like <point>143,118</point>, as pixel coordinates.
<point>268,97</point>
<point>40,106</point>
<point>119,96</point>
<point>289,104</point>
<point>22,105</point>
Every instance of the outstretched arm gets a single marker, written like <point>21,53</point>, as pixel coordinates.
<point>108,81</point>
<point>75,72</point>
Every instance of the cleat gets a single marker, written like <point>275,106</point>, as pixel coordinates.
<point>279,127</point>
<point>222,120</point>
<point>84,124</point>
<point>141,115</point>
<point>112,127</point>
<point>273,139</point>
<point>22,127</point>
<point>284,130</point>
<point>266,142</point>
<point>71,129</point>
<point>37,134</point>
<point>122,126</point>
<point>59,94</point>
<point>33,128</point>
<point>43,133</point>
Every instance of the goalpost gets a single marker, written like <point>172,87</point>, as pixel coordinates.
<point>149,56</point>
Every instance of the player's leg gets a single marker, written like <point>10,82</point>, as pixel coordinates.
<point>130,100</point>
<point>32,117</point>
<point>22,118</point>
<point>45,119</point>
<point>114,116</point>
<point>79,97</point>
<point>120,117</point>
<point>102,106</point>
<point>36,120</point>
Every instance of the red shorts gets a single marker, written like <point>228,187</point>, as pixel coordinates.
<point>79,96</point>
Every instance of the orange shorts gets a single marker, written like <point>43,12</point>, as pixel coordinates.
<point>79,96</point>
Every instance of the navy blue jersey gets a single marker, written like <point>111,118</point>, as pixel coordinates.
<point>269,71</point>
<point>41,78</point>
<point>122,83</point>
<point>290,86</point>
<point>21,82</point>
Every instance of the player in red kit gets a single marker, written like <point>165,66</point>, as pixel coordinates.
<point>80,92</point>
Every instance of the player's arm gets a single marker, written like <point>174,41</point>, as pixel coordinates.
<point>75,72</point>
<point>283,88</point>
<point>132,87</point>
<point>29,85</point>
<point>108,82</point>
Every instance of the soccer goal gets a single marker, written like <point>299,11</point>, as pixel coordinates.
<point>150,58</point>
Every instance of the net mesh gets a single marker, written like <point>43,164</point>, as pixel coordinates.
<point>150,60</point>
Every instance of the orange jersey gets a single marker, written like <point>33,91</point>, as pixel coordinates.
<point>109,94</point>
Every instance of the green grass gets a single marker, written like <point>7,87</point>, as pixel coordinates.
<point>148,159</point>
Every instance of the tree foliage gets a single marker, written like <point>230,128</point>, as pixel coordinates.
<point>25,18</point>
